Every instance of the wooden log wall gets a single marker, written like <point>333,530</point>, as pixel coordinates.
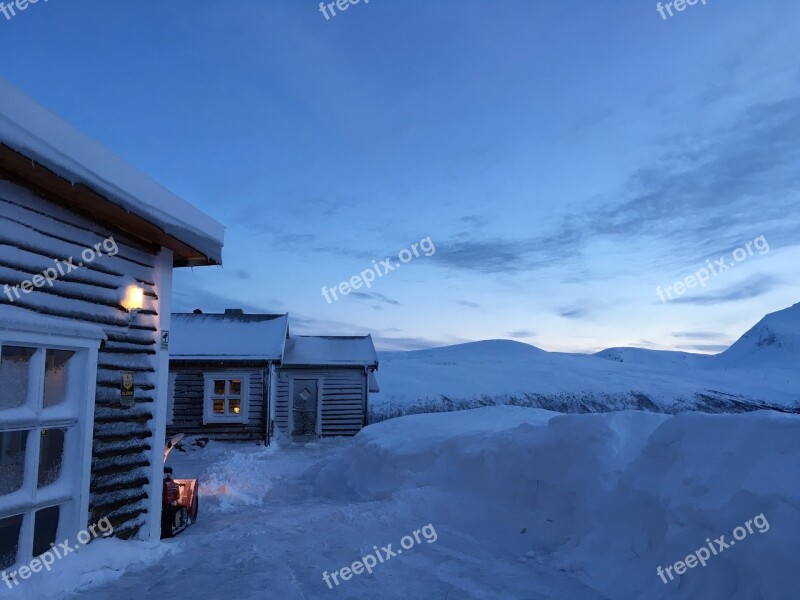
<point>34,233</point>
<point>343,393</point>
<point>189,395</point>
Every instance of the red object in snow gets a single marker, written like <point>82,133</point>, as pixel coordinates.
<point>179,502</point>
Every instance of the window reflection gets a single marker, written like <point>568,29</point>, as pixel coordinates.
<point>45,529</point>
<point>51,455</point>
<point>56,376</point>
<point>15,367</point>
<point>12,460</point>
<point>9,540</point>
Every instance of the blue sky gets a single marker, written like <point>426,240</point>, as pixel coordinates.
<point>565,158</point>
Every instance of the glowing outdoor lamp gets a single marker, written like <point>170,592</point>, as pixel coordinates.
<point>134,298</point>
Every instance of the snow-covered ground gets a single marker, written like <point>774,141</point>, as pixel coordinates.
<point>524,503</point>
<point>763,367</point>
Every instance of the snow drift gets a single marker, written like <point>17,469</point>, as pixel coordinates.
<point>606,498</point>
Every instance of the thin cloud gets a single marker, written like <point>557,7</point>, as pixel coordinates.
<point>522,333</point>
<point>755,286</point>
<point>577,312</point>
<point>374,297</point>
<point>698,196</point>
<point>699,335</point>
<point>468,304</point>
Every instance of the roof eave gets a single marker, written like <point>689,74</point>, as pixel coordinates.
<point>24,170</point>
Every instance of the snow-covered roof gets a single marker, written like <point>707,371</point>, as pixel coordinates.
<point>228,336</point>
<point>330,350</point>
<point>33,131</point>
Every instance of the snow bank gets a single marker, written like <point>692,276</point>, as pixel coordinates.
<point>605,497</point>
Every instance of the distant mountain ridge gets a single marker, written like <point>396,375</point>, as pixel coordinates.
<point>760,370</point>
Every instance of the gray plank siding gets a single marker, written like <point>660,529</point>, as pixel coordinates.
<point>343,396</point>
<point>187,412</point>
<point>281,416</point>
<point>34,233</point>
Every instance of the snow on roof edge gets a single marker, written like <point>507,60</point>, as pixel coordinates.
<point>41,135</point>
<point>228,337</point>
<point>313,350</point>
<point>223,358</point>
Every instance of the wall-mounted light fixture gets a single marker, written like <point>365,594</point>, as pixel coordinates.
<point>133,298</point>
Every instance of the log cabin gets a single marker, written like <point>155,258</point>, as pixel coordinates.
<point>221,368</point>
<point>323,385</point>
<point>243,377</point>
<point>88,245</point>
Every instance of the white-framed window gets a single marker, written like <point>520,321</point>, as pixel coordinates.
<point>47,387</point>
<point>226,398</point>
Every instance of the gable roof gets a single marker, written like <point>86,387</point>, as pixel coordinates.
<point>41,150</point>
<point>306,350</point>
<point>228,337</point>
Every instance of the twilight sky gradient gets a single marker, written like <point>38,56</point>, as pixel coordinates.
<point>566,158</point>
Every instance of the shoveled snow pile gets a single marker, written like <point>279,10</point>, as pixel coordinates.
<point>236,479</point>
<point>762,369</point>
<point>605,498</point>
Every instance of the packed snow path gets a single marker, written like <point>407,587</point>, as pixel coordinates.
<point>280,548</point>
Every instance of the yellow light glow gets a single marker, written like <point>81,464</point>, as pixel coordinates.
<point>134,298</point>
<point>236,409</point>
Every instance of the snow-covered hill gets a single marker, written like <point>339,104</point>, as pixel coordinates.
<point>760,369</point>
<point>655,358</point>
<point>773,343</point>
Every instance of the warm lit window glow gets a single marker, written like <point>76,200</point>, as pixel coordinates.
<point>225,398</point>
<point>134,298</point>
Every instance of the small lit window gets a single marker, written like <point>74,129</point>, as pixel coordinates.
<point>225,398</point>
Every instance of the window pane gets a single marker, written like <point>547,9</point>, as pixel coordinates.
<point>219,406</point>
<point>45,529</point>
<point>236,387</point>
<point>15,366</point>
<point>234,406</point>
<point>9,540</point>
<point>12,460</point>
<point>219,388</point>
<point>51,455</point>
<point>55,381</point>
